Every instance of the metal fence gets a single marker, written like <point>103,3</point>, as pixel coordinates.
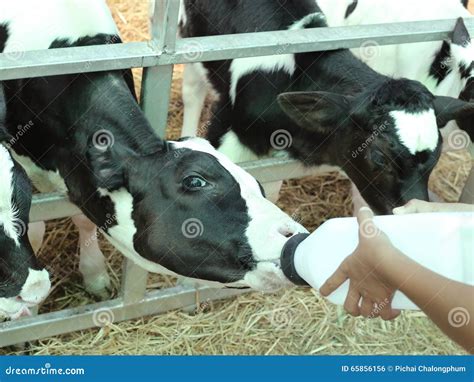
<point>158,57</point>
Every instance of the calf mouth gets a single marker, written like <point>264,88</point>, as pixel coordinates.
<point>267,277</point>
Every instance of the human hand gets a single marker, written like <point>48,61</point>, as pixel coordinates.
<point>419,206</point>
<point>361,269</point>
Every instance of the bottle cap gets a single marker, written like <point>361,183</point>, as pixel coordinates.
<point>287,258</point>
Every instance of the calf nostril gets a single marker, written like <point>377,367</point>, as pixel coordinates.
<point>19,299</point>
<point>286,231</point>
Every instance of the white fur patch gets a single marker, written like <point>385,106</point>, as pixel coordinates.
<point>44,180</point>
<point>35,25</point>
<point>8,211</point>
<point>36,287</point>
<point>286,62</point>
<point>35,290</point>
<point>463,55</point>
<point>232,148</point>
<point>182,13</point>
<point>397,60</point>
<point>417,131</point>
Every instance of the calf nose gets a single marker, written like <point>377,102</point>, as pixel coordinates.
<point>289,229</point>
<point>36,287</point>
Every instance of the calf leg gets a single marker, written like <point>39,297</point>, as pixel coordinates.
<point>36,233</point>
<point>194,96</point>
<point>92,261</point>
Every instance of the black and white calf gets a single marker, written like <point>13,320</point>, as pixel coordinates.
<point>445,68</point>
<point>23,282</point>
<point>173,207</point>
<point>335,111</point>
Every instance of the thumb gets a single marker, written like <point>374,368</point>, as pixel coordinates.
<point>367,227</point>
<point>412,207</point>
<point>365,213</point>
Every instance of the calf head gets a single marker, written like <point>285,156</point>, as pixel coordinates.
<point>386,138</point>
<point>462,51</point>
<point>190,210</point>
<point>23,282</point>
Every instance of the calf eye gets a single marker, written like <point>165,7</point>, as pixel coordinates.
<point>194,183</point>
<point>379,159</point>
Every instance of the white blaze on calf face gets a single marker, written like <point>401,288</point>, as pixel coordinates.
<point>8,212</point>
<point>417,131</point>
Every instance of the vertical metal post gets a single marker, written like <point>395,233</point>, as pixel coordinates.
<point>134,281</point>
<point>156,85</point>
<point>155,97</point>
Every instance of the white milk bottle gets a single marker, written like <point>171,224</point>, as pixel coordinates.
<point>441,242</point>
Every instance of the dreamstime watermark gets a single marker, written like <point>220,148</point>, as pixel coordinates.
<point>281,318</point>
<point>281,139</point>
<point>192,228</point>
<point>459,140</point>
<point>368,229</point>
<point>369,50</point>
<point>103,139</point>
<point>16,51</point>
<point>109,222</point>
<point>192,50</point>
<point>377,131</point>
<point>21,131</point>
<point>47,369</point>
<point>459,317</point>
<point>378,308</point>
<point>103,317</point>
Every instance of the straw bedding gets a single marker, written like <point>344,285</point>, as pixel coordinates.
<point>295,321</point>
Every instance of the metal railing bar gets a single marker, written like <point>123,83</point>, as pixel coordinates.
<point>145,54</point>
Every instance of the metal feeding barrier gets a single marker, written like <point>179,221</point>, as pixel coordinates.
<point>158,56</point>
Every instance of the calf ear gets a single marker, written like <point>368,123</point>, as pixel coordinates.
<point>107,164</point>
<point>316,111</point>
<point>461,35</point>
<point>449,109</point>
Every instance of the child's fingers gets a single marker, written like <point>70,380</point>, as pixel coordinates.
<point>368,308</point>
<point>413,207</point>
<point>333,282</point>
<point>351,305</point>
<point>387,313</point>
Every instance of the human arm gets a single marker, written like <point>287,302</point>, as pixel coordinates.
<point>377,269</point>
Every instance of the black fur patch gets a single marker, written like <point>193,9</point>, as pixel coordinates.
<point>3,36</point>
<point>351,8</point>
